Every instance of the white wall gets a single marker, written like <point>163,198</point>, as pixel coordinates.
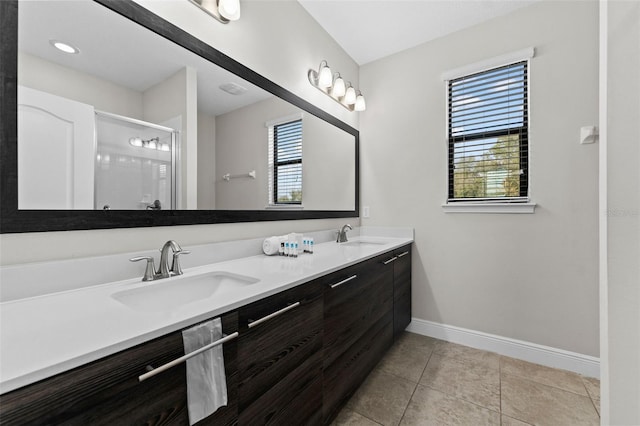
<point>58,80</point>
<point>268,29</point>
<point>621,334</point>
<point>206,161</point>
<point>328,158</point>
<point>528,277</point>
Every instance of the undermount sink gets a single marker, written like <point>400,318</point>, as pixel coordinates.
<point>363,243</point>
<point>170,293</point>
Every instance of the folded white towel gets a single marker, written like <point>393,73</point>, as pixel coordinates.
<point>206,381</point>
<point>271,245</point>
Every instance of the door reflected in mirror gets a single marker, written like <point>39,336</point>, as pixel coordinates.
<point>133,121</point>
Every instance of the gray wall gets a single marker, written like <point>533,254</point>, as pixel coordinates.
<point>328,158</point>
<point>532,277</point>
<point>242,146</point>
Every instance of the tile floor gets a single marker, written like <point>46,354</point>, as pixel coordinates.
<point>424,381</point>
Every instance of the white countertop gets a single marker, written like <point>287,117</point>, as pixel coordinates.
<point>45,335</point>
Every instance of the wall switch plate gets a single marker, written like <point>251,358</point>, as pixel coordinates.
<point>365,211</point>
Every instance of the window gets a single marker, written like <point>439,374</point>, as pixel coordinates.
<point>285,146</point>
<point>487,130</point>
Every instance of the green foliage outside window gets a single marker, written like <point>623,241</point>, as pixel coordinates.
<point>496,173</point>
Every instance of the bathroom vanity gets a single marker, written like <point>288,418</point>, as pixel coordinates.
<point>305,342</point>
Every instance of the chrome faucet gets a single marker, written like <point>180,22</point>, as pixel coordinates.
<point>342,234</point>
<point>164,271</point>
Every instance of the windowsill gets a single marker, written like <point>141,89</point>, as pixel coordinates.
<point>285,207</point>
<point>511,208</point>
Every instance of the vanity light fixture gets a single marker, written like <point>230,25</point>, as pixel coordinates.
<point>64,47</point>
<point>345,94</point>
<point>339,89</point>
<point>360,103</point>
<point>222,10</point>
<point>350,96</point>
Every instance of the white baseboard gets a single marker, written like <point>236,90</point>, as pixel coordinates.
<point>527,351</point>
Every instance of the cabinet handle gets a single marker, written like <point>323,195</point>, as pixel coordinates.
<point>153,371</point>
<point>344,281</point>
<point>403,254</point>
<point>275,314</point>
<point>390,260</point>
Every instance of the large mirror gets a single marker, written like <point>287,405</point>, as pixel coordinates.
<point>135,129</point>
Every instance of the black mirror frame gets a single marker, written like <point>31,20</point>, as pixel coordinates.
<point>13,220</point>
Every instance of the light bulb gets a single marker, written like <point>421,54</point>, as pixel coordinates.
<point>151,144</point>
<point>164,147</point>
<point>135,142</point>
<point>229,9</point>
<point>64,47</point>
<point>338,88</point>
<point>360,103</point>
<point>325,77</point>
<point>350,96</point>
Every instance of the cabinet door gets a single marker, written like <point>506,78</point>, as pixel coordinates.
<point>354,299</point>
<point>107,391</point>
<point>279,353</point>
<point>401,290</point>
<point>358,317</point>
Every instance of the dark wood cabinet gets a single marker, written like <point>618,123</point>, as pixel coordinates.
<point>401,289</point>
<point>358,318</point>
<point>280,358</point>
<point>299,356</point>
<point>107,391</point>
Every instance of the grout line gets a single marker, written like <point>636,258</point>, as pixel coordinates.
<point>529,379</point>
<point>404,412</point>
<point>368,418</point>
<point>593,402</point>
<point>462,399</point>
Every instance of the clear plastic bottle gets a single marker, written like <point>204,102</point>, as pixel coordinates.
<point>310,245</point>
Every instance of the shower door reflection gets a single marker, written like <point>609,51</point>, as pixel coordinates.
<point>135,164</point>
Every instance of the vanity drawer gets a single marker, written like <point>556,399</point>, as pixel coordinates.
<point>107,391</point>
<point>279,335</point>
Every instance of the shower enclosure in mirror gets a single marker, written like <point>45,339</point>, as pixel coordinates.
<point>135,164</point>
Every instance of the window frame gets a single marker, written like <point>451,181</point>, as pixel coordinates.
<point>512,204</point>
<point>274,164</point>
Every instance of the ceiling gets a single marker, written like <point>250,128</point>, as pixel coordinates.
<point>372,29</point>
<point>106,51</point>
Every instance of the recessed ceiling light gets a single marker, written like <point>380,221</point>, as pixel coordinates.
<point>64,47</point>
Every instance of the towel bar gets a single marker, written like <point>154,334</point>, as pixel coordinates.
<point>153,371</point>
